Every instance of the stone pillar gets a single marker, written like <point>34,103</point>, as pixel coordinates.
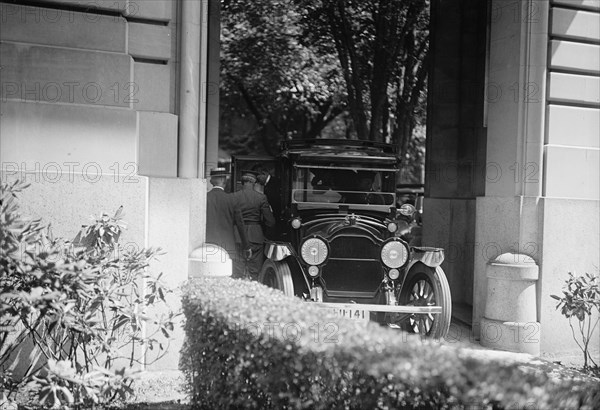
<point>541,180</point>
<point>210,260</point>
<point>510,320</point>
<point>456,140</point>
<point>210,92</point>
<point>509,217</point>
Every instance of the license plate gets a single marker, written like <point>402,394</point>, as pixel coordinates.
<point>355,314</point>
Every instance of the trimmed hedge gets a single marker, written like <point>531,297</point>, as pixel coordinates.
<point>248,346</point>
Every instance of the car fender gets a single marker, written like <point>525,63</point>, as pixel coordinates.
<point>280,251</point>
<point>432,257</point>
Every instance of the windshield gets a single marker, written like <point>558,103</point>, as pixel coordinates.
<point>315,186</point>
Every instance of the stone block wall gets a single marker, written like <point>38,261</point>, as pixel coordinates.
<point>89,115</point>
<point>542,181</point>
<point>80,80</point>
<point>512,146</point>
<point>571,189</point>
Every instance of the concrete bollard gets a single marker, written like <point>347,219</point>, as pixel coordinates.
<point>510,319</point>
<point>209,260</point>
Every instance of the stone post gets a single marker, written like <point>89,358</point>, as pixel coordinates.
<point>510,320</point>
<point>210,260</point>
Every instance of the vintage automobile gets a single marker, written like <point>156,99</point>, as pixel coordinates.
<point>341,236</point>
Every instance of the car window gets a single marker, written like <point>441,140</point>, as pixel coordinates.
<point>326,185</point>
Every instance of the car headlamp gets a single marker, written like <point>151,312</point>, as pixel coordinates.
<point>407,210</point>
<point>314,251</point>
<point>296,223</point>
<point>392,227</point>
<point>394,254</point>
<point>394,274</point>
<point>313,271</point>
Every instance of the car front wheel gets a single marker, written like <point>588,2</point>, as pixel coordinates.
<point>426,286</point>
<point>277,275</point>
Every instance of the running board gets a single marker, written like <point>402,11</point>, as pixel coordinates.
<point>434,310</point>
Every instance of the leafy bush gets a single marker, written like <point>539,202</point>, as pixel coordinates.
<point>581,297</point>
<point>248,346</point>
<point>71,311</point>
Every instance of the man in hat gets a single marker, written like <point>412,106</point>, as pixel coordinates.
<point>256,212</point>
<point>222,214</point>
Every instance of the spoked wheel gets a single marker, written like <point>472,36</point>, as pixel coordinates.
<point>277,275</point>
<point>425,286</point>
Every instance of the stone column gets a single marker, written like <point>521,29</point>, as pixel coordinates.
<point>508,217</point>
<point>211,87</point>
<point>541,188</point>
<point>455,138</point>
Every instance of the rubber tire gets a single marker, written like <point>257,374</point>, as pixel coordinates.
<point>277,275</point>
<point>436,278</point>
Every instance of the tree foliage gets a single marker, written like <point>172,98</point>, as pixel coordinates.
<point>381,47</point>
<point>73,313</point>
<point>308,68</point>
<point>268,73</point>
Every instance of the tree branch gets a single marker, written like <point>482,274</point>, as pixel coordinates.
<point>261,119</point>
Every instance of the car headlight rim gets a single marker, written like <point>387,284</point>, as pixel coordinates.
<point>394,254</point>
<point>314,251</point>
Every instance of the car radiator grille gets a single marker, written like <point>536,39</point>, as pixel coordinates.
<point>353,265</point>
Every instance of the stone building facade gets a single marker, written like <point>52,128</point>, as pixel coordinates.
<point>513,148</point>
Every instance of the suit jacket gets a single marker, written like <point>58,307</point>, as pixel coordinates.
<point>273,193</point>
<point>222,214</point>
<point>255,211</point>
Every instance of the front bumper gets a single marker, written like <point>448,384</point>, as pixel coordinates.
<point>434,310</point>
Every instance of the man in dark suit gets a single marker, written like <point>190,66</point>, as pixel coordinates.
<point>222,213</point>
<point>256,212</point>
<point>271,187</point>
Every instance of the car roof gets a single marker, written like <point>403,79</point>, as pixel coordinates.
<point>340,151</point>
